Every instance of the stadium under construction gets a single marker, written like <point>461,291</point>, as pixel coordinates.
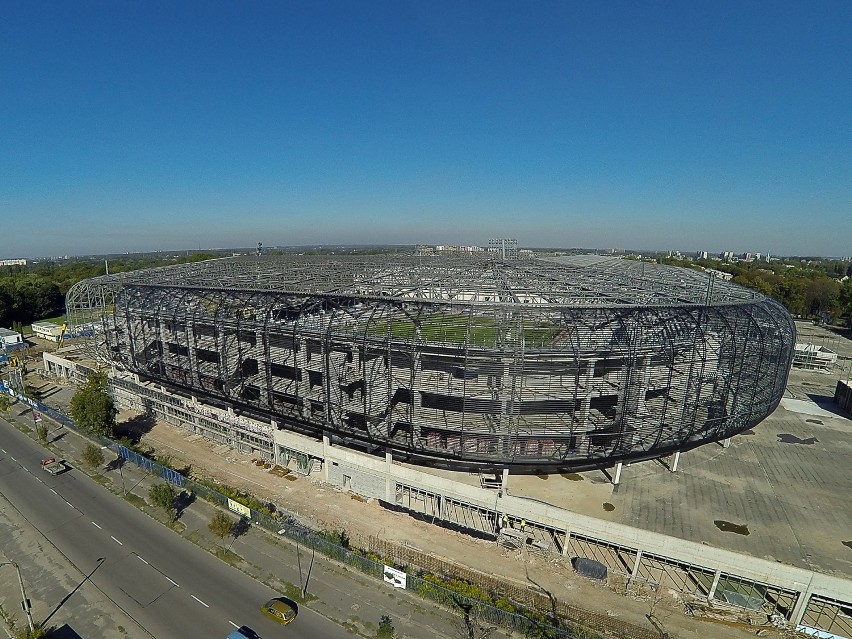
<point>464,361</point>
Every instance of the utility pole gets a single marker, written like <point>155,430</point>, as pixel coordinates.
<point>25,603</point>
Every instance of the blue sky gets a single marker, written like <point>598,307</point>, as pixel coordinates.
<point>128,126</point>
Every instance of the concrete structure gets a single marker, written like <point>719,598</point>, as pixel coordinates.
<point>814,357</point>
<point>47,330</point>
<point>476,361</point>
<point>10,339</point>
<point>13,262</point>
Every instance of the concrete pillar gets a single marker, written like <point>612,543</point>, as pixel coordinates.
<point>389,496</point>
<point>617,478</point>
<point>714,584</point>
<point>636,563</point>
<point>566,543</point>
<point>326,449</point>
<point>801,606</point>
<point>504,483</point>
<point>676,460</point>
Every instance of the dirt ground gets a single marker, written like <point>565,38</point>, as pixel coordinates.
<point>329,507</point>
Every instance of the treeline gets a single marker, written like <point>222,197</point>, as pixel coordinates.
<point>32,293</point>
<point>809,288</point>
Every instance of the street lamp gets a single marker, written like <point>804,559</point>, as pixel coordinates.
<point>25,603</point>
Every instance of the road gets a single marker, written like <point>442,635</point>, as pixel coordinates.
<point>169,586</point>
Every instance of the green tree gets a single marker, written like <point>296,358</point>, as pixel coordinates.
<point>221,525</point>
<point>5,402</point>
<point>386,629</point>
<point>41,432</point>
<point>164,496</point>
<point>92,407</point>
<point>92,456</point>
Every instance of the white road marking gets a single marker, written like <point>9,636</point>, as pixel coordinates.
<point>69,503</point>
<point>4,451</point>
<point>12,458</point>
<point>233,624</point>
<point>116,541</point>
<point>199,601</point>
<point>25,469</point>
<point>39,479</point>
<point>96,526</point>
<point>174,582</point>
<point>142,560</point>
<point>53,491</point>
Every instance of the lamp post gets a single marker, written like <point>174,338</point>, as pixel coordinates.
<point>25,603</point>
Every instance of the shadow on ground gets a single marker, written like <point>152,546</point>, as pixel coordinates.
<point>64,632</point>
<point>135,427</point>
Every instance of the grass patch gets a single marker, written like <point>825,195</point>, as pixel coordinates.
<point>135,500</point>
<point>195,537</point>
<point>228,556</point>
<point>103,481</point>
<point>458,329</point>
<point>293,592</point>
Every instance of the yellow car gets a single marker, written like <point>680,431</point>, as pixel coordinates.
<point>281,610</point>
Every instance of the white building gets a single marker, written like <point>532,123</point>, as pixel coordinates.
<point>10,338</point>
<point>47,330</point>
<point>813,356</point>
<point>13,262</point>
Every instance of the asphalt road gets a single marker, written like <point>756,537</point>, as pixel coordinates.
<point>172,588</point>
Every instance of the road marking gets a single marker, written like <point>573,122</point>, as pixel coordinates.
<point>233,624</point>
<point>40,480</point>
<point>96,526</point>
<point>53,491</point>
<point>4,451</point>
<point>116,541</point>
<point>69,503</point>
<point>25,469</point>
<point>142,560</point>
<point>12,458</point>
<point>174,582</point>
<point>199,601</point>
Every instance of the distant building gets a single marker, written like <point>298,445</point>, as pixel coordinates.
<point>13,262</point>
<point>701,255</point>
<point>719,274</point>
<point>10,339</point>
<point>47,330</point>
<point>813,356</point>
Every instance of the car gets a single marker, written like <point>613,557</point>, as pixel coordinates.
<point>243,632</point>
<point>280,609</point>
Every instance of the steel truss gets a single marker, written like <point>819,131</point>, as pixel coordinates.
<point>466,360</point>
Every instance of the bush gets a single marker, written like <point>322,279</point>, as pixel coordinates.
<point>164,496</point>
<point>92,456</point>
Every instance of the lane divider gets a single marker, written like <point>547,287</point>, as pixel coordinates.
<point>142,560</point>
<point>96,526</point>
<point>199,601</point>
<point>116,540</point>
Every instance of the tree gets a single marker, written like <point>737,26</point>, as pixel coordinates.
<point>5,402</point>
<point>164,496</point>
<point>92,407</point>
<point>221,525</point>
<point>41,432</point>
<point>93,456</point>
<point>386,629</point>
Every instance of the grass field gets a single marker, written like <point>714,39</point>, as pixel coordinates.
<point>453,329</point>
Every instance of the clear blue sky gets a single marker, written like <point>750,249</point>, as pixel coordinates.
<point>138,125</point>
